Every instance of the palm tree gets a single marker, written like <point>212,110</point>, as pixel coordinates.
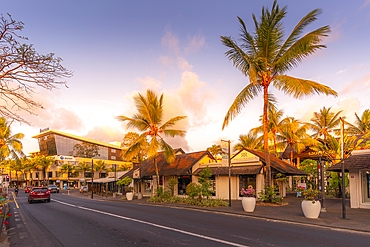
<point>249,141</point>
<point>44,163</point>
<point>149,121</point>
<point>83,167</point>
<point>293,135</point>
<point>274,125</point>
<point>324,122</point>
<point>10,145</point>
<point>264,57</point>
<point>361,125</point>
<point>215,150</point>
<point>100,166</point>
<point>16,166</point>
<point>67,168</point>
<point>32,165</point>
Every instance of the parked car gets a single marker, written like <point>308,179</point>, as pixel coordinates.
<point>84,189</point>
<point>39,194</point>
<point>27,189</point>
<point>53,189</point>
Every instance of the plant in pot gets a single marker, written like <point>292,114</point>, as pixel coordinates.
<point>249,199</point>
<point>311,205</point>
<point>129,190</point>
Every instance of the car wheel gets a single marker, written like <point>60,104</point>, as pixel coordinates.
<point>58,191</point>
<point>30,201</point>
<point>48,200</point>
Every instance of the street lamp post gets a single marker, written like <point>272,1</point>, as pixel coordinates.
<point>92,178</point>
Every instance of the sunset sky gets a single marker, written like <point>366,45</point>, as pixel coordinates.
<point>119,48</point>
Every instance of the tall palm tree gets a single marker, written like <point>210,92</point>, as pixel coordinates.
<point>293,135</point>
<point>324,122</point>
<point>44,163</point>
<point>15,166</point>
<point>10,145</point>
<point>83,167</point>
<point>249,141</point>
<point>67,168</point>
<point>264,57</point>
<point>149,121</point>
<point>361,125</point>
<point>100,166</point>
<point>275,122</point>
<point>32,165</point>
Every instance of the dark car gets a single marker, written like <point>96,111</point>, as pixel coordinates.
<point>28,189</point>
<point>39,194</point>
<point>53,188</point>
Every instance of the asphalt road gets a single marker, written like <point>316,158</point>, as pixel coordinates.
<point>68,221</point>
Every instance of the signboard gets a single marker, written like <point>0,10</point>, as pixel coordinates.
<point>225,152</point>
<point>136,174</point>
<point>63,157</point>
<point>245,157</point>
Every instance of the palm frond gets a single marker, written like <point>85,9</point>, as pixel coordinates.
<point>298,88</point>
<point>247,94</point>
<point>171,122</point>
<point>168,152</point>
<point>173,133</point>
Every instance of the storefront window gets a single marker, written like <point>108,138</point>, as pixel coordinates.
<point>148,185</point>
<point>365,186</point>
<point>183,182</point>
<point>247,182</point>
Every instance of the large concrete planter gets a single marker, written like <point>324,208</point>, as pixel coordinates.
<point>249,204</point>
<point>311,210</point>
<point>130,196</point>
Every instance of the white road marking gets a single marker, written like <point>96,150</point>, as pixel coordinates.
<point>155,225</point>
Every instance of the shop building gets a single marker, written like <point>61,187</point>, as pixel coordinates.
<point>60,147</point>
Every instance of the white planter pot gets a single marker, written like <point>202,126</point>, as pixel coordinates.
<point>311,210</point>
<point>129,196</point>
<point>249,203</point>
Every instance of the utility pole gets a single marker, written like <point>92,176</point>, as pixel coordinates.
<point>343,173</point>
<point>92,178</point>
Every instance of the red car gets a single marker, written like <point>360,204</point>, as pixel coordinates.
<point>28,189</point>
<point>39,194</point>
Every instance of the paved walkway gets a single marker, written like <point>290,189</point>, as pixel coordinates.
<point>356,219</point>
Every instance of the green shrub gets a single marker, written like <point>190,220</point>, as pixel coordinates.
<point>269,194</point>
<point>193,190</point>
<point>171,185</point>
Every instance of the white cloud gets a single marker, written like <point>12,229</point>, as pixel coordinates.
<point>194,43</point>
<point>105,134</point>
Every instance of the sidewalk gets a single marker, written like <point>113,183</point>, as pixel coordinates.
<point>356,219</point>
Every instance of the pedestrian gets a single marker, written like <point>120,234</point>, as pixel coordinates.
<point>16,190</point>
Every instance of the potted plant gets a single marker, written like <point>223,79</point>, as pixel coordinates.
<point>249,199</point>
<point>311,205</point>
<point>129,190</point>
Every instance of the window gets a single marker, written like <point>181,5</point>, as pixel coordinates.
<point>50,174</point>
<point>183,182</point>
<point>37,175</point>
<point>365,186</point>
<point>246,182</point>
<point>113,157</point>
<point>113,151</point>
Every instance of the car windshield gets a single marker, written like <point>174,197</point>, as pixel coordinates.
<point>52,186</point>
<point>40,190</point>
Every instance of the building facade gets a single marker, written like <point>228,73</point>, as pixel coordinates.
<point>61,147</point>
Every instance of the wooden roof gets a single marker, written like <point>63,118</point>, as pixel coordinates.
<point>182,166</point>
<point>277,164</point>
<point>354,162</point>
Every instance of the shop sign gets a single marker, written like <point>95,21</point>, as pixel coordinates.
<point>136,174</point>
<point>244,157</point>
<point>62,157</point>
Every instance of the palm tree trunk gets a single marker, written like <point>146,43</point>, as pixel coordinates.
<point>265,137</point>
<point>291,154</point>
<point>156,171</point>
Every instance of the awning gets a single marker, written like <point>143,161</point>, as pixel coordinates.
<point>241,170</point>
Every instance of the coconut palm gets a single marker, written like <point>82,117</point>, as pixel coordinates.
<point>15,166</point>
<point>83,167</point>
<point>32,165</point>
<point>44,163</point>
<point>249,141</point>
<point>149,121</point>
<point>324,123</point>
<point>100,166</point>
<point>67,168</point>
<point>361,125</point>
<point>293,135</point>
<point>274,125</point>
<point>10,145</point>
<point>265,58</point>
<point>215,150</point>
